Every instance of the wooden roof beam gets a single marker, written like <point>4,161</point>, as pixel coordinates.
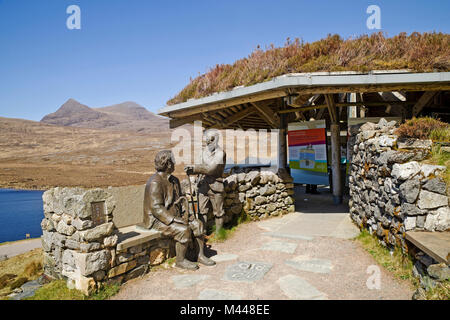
<point>423,101</point>
<point>347,104</point>
<point>174,123</point>
<point>267,114</point>
<point>238,116</point>
<point>374,88</point>
<point>228,103</point>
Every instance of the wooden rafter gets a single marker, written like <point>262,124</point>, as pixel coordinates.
<point>267,114</point>
<point>423,101</point>
<point>216,116</point>
<point>319,114</point>
<point>237,116</point>
<point>222,113</point>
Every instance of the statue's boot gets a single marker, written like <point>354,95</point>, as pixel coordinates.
<point>181,261</point>
<point>219,224</point>
<point>201,255</point>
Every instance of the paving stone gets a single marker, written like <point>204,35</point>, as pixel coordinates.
<point>297,288</point>
<point>224,257</point>
<point>280,246</point>
<point>288,236</point>
<point>211,294</point>
<point>247,271</point>
<point>188,280</point>
<point>311,265</point>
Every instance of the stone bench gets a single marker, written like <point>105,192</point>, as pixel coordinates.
<point>434,244</point>
<point>131,236</point>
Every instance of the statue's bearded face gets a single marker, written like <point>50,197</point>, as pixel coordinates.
<point>211,141</point>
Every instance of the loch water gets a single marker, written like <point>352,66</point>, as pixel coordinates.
<point>21,213</point>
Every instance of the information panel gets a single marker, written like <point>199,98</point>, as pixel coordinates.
<point>308,152</point>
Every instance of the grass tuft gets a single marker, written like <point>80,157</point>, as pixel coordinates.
<point>228,229</point>
<point>18,283</point>
<point>442,158</point>
<point>401,266</point>
<point>398,263</point>
<point>27,265</point>
<point>34,268</point>
<point>440,292</point>
<point>440,134</point>
<point>57,290</point>
<point>5,279</point>
<point>105,292</point>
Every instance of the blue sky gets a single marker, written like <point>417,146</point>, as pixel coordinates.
<point>146,51</point>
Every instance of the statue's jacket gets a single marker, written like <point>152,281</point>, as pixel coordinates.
<point>159,200</point>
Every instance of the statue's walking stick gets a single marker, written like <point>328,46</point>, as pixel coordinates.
<point>186,214</point>
<point>192,198</point>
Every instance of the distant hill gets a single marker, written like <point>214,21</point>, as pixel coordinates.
<point>126,116</point>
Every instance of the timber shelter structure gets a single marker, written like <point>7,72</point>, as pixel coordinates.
<point>335,97</point>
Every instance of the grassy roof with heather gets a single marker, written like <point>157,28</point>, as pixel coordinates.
<point>418,52</point>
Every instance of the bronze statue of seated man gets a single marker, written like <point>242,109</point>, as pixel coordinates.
<point>163,211</point>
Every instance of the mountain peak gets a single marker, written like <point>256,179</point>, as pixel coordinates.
<point>127,115</point>
<point>72,104</point>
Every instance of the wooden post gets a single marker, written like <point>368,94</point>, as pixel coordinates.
<point>335,150</point>
<point>352,109</point>
<point>336,163</point>
<point>282,145</point>
<point>362,109</point>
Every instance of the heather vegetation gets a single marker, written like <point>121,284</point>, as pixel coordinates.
<point>420,52</point>
<point>425,128</point>
<point>435,130</point>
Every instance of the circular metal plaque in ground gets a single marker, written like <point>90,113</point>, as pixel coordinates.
<point>247,271</point>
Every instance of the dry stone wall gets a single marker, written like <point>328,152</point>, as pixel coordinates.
<point>391,191</point>
<point>260,194</point>
<point>80,240</point>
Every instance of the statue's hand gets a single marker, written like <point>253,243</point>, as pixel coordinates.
<point>179,220</point>
<point>189,170</point>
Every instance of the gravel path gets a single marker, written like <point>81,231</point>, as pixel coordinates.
<point>19,247</point>
<point>262,261</point>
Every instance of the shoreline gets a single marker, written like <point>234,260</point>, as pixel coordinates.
<point>26,188</point>
<point>17,241</point>
<point>22,189</point>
